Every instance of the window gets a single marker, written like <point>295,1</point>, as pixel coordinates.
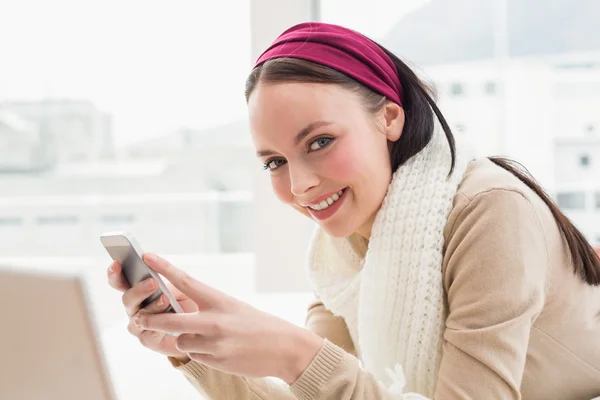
<point>456,89</point>
<point>489,88</point>
<point>58,220</point>
<point>577,65</point>
<point>584,160</point>
<point>571,200</point>
<point>118,219</point>
<point>11,221</point>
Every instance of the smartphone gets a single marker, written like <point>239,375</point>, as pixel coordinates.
<point>123,248</point>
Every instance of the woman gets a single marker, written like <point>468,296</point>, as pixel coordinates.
<point>446,276</point>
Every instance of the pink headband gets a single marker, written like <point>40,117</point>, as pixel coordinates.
<point>341,49</point>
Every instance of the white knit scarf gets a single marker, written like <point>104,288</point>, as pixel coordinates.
<point>393,299</point>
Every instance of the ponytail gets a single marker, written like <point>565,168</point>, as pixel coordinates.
<point>585,260</point>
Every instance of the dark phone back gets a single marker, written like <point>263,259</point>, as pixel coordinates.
<point>134,268</point>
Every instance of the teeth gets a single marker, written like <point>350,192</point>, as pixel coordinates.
<point>329,201</point>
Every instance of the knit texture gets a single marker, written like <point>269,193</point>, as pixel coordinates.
<point>393,299</point>
<point>318,372</point>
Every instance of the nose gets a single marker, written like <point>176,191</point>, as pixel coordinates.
<point>302,179</point>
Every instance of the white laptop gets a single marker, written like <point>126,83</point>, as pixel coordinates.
<point>49,349</point>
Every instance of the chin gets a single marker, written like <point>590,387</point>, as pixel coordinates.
<point>339,230</point>
<point>336,226</point>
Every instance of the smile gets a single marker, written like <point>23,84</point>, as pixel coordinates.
<point>327,202</point>
<point>326,208</point>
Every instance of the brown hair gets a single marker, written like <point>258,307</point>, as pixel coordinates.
<point>419,106</point>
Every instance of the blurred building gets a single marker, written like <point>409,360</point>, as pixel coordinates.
<point>520,80</point>
<point>61,186</point>
<point>577,191</point>
<point>185,193</point>
<point>21,145</point>
<point>63,213</point>
<point>521,111</point>
<point>223,156</point>
<point>69,130</point>
<point>508,78</point>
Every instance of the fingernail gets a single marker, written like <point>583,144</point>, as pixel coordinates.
<point>161,301</point>
<point>151,284</point>
<point>138,322</point>
<point>111,268</point>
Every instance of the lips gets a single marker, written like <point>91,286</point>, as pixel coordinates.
<point>322,205</point>
<point>328,205</point>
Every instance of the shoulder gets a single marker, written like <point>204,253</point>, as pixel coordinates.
<point>488,188</point>
<point>494,277</point>
<point>496,218</point>
<point>483,176</point>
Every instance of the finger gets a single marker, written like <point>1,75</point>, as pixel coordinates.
<point>133,298</point>
<point>115,278</point>
<point>197,323</point>
<point>133,329</point>
<point>199,344</point>
<point>150,339</point>
<point>157,306</point>
<point>197,291</point>
<point>174,291</point>
<point>159,342</point>
<point>206,359</point>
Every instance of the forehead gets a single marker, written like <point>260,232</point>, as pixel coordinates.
<point>288,107</point>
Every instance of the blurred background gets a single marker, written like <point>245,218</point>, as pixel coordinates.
<point>130,115</point>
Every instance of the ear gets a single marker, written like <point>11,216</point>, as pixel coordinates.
<point>394,120</point>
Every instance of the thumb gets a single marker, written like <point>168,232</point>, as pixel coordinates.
<point>198,292</point>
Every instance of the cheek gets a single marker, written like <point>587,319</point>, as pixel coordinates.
<point>282,188</point>
<point>344,164</point>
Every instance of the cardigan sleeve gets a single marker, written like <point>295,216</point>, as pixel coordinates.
<point>217,385</point>
<point>334,373</point>
<point>495,273</point>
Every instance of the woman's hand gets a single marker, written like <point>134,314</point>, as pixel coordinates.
<point>133,297</point>
<point>228,334</point>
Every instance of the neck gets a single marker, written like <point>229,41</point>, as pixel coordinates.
<point>365,230</point>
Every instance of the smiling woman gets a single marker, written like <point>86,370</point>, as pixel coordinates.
<point>326,146</point>
<point>436,273</point>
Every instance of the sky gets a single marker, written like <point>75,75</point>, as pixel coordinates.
<point>156,66</point>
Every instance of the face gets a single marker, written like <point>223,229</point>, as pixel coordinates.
<point>327,156</point>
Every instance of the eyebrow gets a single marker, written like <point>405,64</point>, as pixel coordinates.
<point>300,136</point>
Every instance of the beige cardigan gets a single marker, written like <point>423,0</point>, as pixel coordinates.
<point>520,324</point>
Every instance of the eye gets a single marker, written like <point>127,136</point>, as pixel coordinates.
<point>273,164</point>
<point>319,143</point>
